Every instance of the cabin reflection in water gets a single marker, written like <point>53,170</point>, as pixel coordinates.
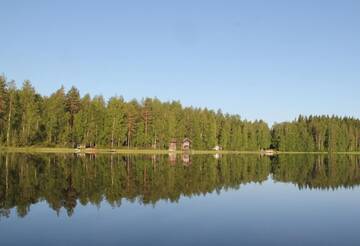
<point>64,180</point>
<point>186,159</point>
<point>173,145</point>
<point>172,158</point>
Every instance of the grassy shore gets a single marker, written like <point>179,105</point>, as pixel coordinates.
<point>116,151</point>
<point>144,151</point>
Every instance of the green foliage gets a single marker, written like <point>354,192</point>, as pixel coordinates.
<point>318,133</point>
<point>4,100</point>
<point>67,119</point>
<point>72,105</point>
<point>55,118</point>
<point>30,103</point>
<point>114,129</point>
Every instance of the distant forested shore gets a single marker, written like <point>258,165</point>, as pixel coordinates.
<point>65,119</point>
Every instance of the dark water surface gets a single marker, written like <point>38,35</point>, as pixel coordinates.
<point>196,200</point>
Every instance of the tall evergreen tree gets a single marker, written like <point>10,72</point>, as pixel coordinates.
<point>11,114</point>
<point>55,117</point>
<point>72,107</point>
<point>115,127</point>
<point>30,121</point>
<point>131,119</point>
<point>4,100</point>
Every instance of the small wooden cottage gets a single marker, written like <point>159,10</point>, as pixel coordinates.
<point>172,145</point>
<point>186,145</point>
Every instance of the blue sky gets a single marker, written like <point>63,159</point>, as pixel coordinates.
<point>260,59</point>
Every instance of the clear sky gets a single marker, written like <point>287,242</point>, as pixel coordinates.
<point>260,59</point>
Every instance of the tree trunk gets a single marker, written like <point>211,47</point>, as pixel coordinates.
<point>9,125</point>
<point>112,134</point>
<point>128,140</point>
<point>50,137</point>
<point>72,129</point>
<point>146,128</point>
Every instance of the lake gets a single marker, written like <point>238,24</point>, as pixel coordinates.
<point>65,199</point>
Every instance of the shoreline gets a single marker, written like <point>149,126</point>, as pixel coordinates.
<point>61,150</point>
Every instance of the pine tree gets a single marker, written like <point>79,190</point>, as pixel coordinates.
<point>12,103</point>
<point>55,117</point>
<point>4,101</point>
<point>115,122</point>
<point>131,118</point>
<point>146,114</point>
<point>30,120</point>
<point>72,107</point>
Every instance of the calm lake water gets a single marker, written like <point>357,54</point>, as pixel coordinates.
<point>183,200</point>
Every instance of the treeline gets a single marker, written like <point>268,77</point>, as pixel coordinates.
<point>66,119</point>
<point>317,133</point>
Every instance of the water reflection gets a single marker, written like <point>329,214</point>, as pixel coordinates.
<point>64,181</point>
<point>320,172</point>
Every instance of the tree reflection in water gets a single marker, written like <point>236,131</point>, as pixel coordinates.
<point>64,181</point>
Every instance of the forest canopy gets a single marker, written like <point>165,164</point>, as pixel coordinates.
<point>67,119</point>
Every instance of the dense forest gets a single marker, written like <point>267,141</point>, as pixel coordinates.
<point>66,119</point>
<point>317,133</point>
